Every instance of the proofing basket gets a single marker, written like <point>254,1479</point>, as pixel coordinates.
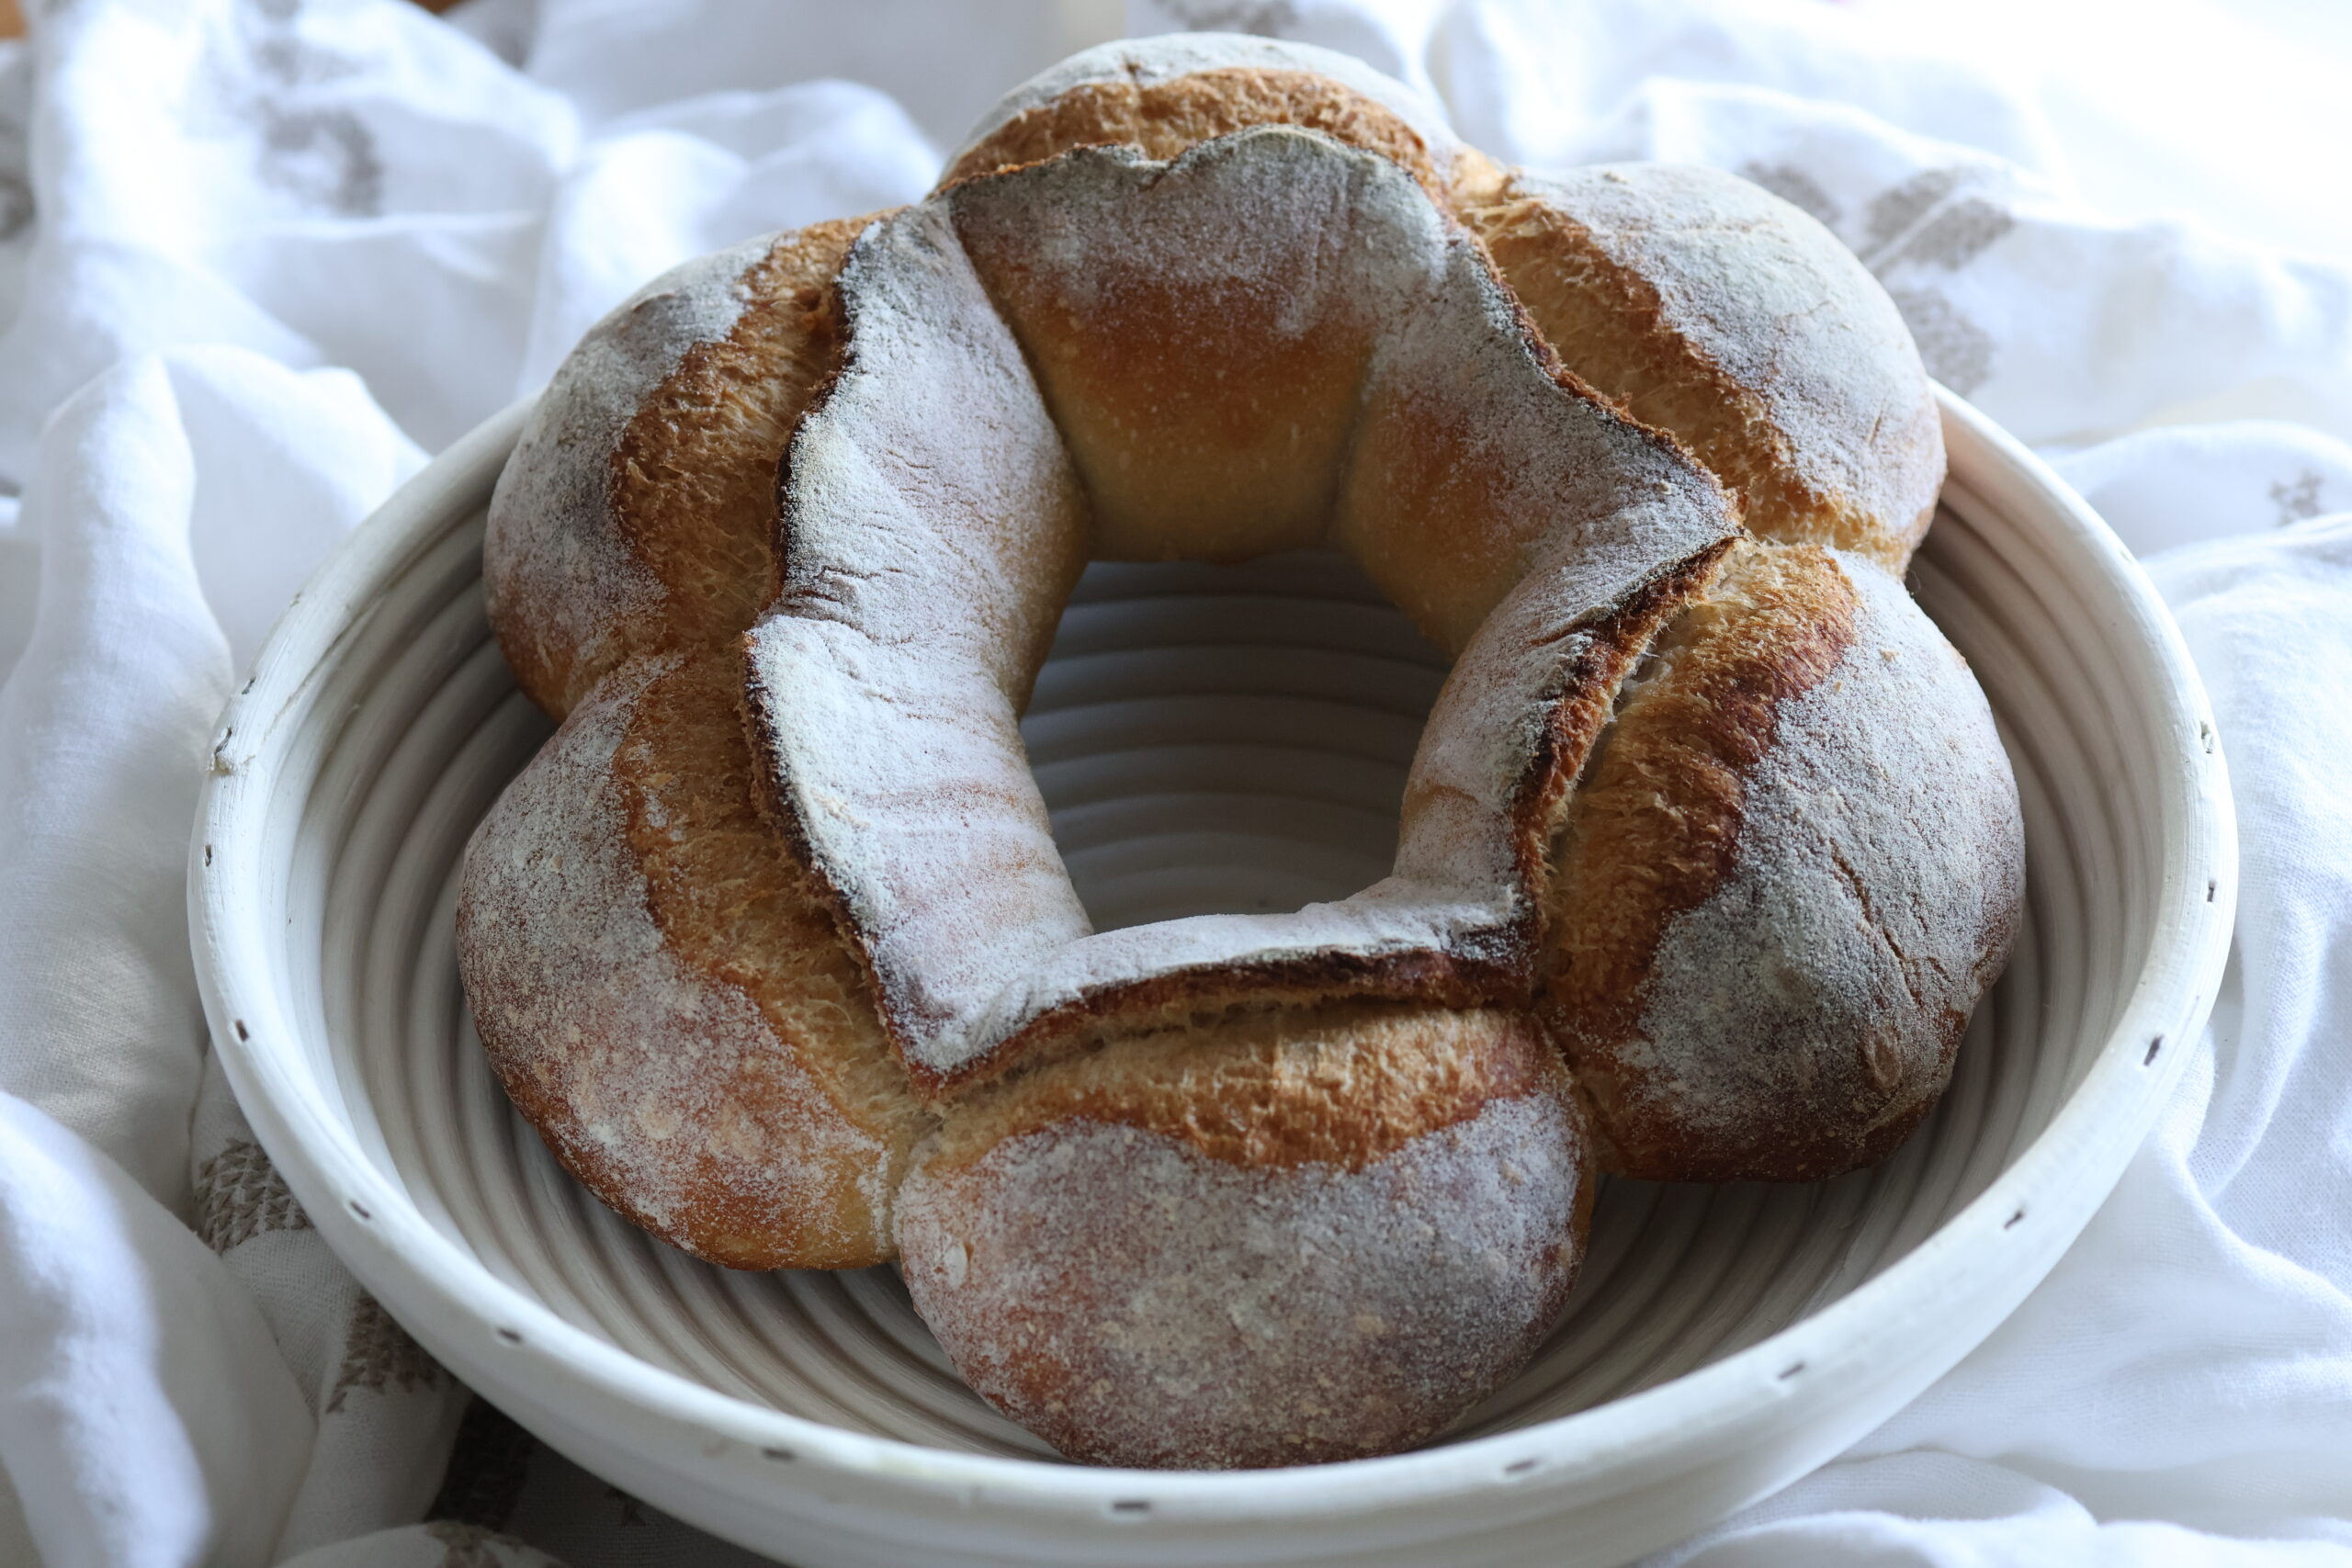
<point>1722,1341</point>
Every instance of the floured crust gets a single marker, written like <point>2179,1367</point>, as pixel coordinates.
<point>1342,1085</point>
<point>1300,1239</point>
<point>637,513</point>
<point>1161,119</point>
<point>1704,305</point>
<point>664,998</point>
<point>1795,868</point>
<point>1712,309</point>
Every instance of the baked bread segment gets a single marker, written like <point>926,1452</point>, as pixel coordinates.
<point>1293,1237</point>
<point>663,996</point>
<point>1274,340</point>
<point>1790,872</point>
<point>637,513</point>
<point>1708,306</point>
<point>1161,94</point>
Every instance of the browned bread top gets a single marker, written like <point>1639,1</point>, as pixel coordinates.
<point>1196,1257</point>
<point>1702,304</point>
<point>1162,95</point>
<point>1795,865</point>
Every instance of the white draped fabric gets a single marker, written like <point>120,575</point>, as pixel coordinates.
<point>259,257</point>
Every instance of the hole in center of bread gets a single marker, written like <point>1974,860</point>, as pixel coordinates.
<point>1228,740</point>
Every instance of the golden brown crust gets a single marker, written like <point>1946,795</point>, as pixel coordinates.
<point>1198,423</point>
<point>1652,827</point>
<point>1646,278</point>
<point>1790,873</point>
<point>1614,318</point>
<point>666,1002</point>
<point>694,473</point>
<point>1162,118</point>
<point>1202,998</point>
<point>783,1147</point>
<point>1862,479</point>
<point>1653,832</point>
<point>655,531</point>
<point>1576,720</point>
<point>735,905</point>
<point>1343,1084</point>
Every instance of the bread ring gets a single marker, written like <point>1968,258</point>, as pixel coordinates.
<point>1708,851</point>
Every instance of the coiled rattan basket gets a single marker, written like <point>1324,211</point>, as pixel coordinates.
<point>1722,1341</point>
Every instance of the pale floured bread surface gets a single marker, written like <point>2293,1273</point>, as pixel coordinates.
<point>665,998</point>
<point>637,513</point>
<point>1710,308</point>
<point>1792,870</point>
<point>1294,1238</point>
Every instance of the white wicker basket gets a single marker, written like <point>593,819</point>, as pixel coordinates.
<point>1724,1340</point>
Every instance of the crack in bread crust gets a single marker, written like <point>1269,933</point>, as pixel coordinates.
<point>1652,830</point>
<point>1342,1085</point>
<point>1780,894</point>
<point>638,513</point>
<point>1652,280</point>
<point>663,1002</point>
<point>1370,1227</point>
<point>693,475</point>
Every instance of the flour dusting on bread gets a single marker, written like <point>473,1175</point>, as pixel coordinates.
<point>1136,1302</point>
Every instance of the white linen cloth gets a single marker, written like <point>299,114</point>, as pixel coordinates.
<point>258,257</point>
